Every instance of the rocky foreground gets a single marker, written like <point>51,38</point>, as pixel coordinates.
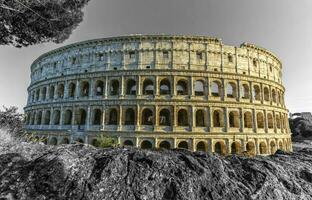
<point>35,171</point>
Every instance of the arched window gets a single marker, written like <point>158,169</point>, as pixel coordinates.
<point>247,119</point>
<point>201,146</point>
<point>113,117</point>
<point>218,118</point>
<point>114,87</point>
<point>53,141</point>
<point>270,120</point>
<point>274,96</point>
<point>72,90</point>
<point>37,94</point>
<point>147,117</point>
<point>131,87</point>
<point>164,117</point>
<point>234,119</point>
<point>266,94</point>
<point>263,148</point>
<point>250,148</point>
<point>128,143</point>
<point>182,118</point>
<point>130,117</point>
<point>260,120</point>
<point>256,93</point>
<point>51,92</point>
<point>278,97</point>
<point>56,117</point>
<point>60,91</point>
<point>200,118</point>
<point>97,117</point>
<point>146,144</point>
<point>39,117</point>
<point>148,87</point>
<point>68,117</point>
<point>235,148</point>
<point>99,88</point>
<point>199,88</point>
<point>245,91</point>
<point>183,145</point>
<point>32,121</point>
<point>44,93</point>
<point>231,90</point>
<point>272,147</point>
<point>47,117</point>
<point>182,88</point>
<point>220,148</point>
<point>82,116</point>
<point>216,89</point>
<point>165,145</point>
<point>84,92</point>
<point>164,87</point>
<point>278,121</point>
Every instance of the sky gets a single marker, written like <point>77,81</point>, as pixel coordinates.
<point>281,26</point>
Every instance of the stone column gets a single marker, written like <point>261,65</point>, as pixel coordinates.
<point>157,85</point>
<point>241,120</point>
<point>73,116</point>
<point>120,121</point>
<point>174,118</point>
<point>92,86</point>
<point>139,86</point>
<point>193,117</point>
<point>122,92</point>
<point>89,118</point>
<point>61,116</point>
<point>221,52</point>
<point>77,89</point>
<point>206,56</point>
<point>106,91</point>
<point>226,119</point>
<point>191,90</point>
<point>138,116</point>
<point>103,117</point>
<point>265,121</point>
<point>189,56</point>
<point>66,89</point>
<point>173,87</point>
<point>210,117</point>
<point>254,119</point>
<point>156,114</point>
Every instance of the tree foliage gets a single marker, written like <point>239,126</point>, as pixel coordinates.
<point>28,22</point>
<point>104,141</point>
<point>11,120</point>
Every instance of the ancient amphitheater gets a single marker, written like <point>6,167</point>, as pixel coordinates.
<point>153,91</point>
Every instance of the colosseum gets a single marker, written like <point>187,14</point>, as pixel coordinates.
<point>161,91</point>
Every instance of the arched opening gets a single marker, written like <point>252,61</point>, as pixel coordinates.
<point>247,119</point>
<point>164,87</point>
<point>79,140</point>
<point>113,117</point>
<point>57,116</point>
<point>97,117</point>
<point>182,88</point>
<point>235,148</point>
<point>200,118</point>
<point>131,87</point>
<point>245,91</point>
<point>53,141</point>
<point>278,100</point>
<point>39,118</point>
<point>164,145</point>
<point>146,144</point>
<point>272,147</point>
<point>280,145</point>
<point>273,96</point>
<point>148,87</point>
<point>164,117</point>
<point>84,92</point>
<point>216,89</point>
<point>182,118</point>
<point>128,143</point>
<point>130,117</point>
<point>99,88</point>
<point>218,118</point>
<point>44,93</point>
<point>82,116</point>
<point>72,90</point>
<point>263,148</point>
<point>199,88</point>
<point>234,119</point>
<point>65,141</point>
<point>201,146</point>
<point>68,117</point>
<point>270,121</point>
<point>250,148</point>
<point>266,94</point>
<point>114,87</point>
<point>183,145</point>
<point>60,91</point>
<point>256,93</point>
<point>278,121</point>
<point>37,95</point>
<point>147,117</point>
<point>32,119</point>
<point>260,120</point>
<point>220,148</point>
<point>47,117</point>
<point>51,92</point>
<point>231,90</point>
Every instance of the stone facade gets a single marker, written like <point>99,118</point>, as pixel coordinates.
<point>161,91</point>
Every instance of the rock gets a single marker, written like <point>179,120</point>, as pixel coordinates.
<point>84,172</point>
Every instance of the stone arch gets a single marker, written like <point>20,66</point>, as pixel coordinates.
<point>147,117</point>
<point>99,88</point>
<point>56,117</point>
<point>199,88</point>
<point>182,87</point>
<point>84,89</point>
<point>201,146</point>
<point>218,120</point>
<point>235,147</point>
<point>65,141</point>
<point>130,117</point>
<point>114,87</point>
<point>247,119</point>
<point>113,116</point>
<point>72,90</point>
<point>131,87</point>
<point>260,120</point>
<point>270,121</point>
<point>183,117</point>
<point>51,92</point>
<point>60,91</point>
<point>216,89</point>
<point>183,145</point>
<point>266,94</point>
<point>81,117</point>
<point>251,148</point>
<point>97,116</point>
<point>39,118</point>
<point>220,148</point>
<point>79,140</point>
<point>145,144</point>
<point>280,145</point>
<point>231,90</point>
<point>44,93</point>
<point>273,95</point>
<point>256,93</point>
<point>165,145</point>
<point>68,117</point>
<point>53,141</point>
<point>164,117</point>
<point>263,148</point>
<point>245,91</point>
<point>164,87</point>
<point>200,118</point>
<point>272,147</point>
<point>128,143</point>
<point>148,87</point>
<point>234,119</point>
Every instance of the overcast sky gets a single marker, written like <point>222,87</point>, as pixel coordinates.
<point>282,26</point>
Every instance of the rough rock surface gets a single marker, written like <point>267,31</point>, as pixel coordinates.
<point>35,171</point>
